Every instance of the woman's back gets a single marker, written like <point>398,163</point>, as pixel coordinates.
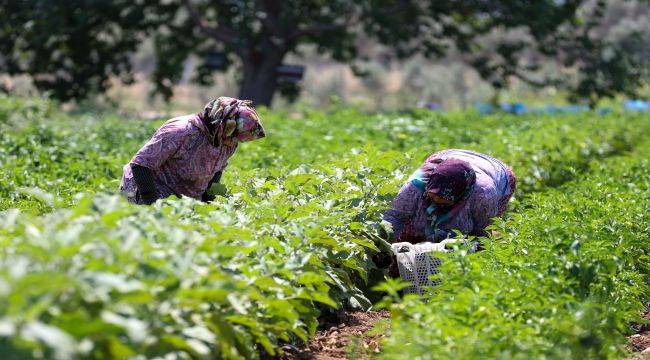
<point>491,189</point>
<point>488,169</point>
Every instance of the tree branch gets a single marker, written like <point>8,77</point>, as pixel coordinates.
<point>270,18</point>
<point>351,18</point>
<point>315,30</point>
<point>220,33</point>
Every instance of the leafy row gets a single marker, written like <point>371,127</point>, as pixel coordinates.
<point>111,278</point>
<point>65,154</point>
<point>97,276</point>
<point>568,275</point>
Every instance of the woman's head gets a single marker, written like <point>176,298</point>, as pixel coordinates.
<point>232,120</point>
<point>451,181</point>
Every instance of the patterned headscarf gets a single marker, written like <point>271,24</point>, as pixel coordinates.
<point>452,179</point>
<point>232,119</point>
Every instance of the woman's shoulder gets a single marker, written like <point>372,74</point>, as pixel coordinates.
<point>485,189</point>
<point>179,121</point>
<point>407,199</point>
<point>411,188</point>
<point>180,125</point>
<point>409,192</point>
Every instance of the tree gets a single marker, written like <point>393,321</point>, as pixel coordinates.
<point>609,57</point>
<point>72,47</point>
<point>595,56</point>
<point>261,33</point>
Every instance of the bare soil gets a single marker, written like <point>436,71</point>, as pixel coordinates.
<point>338,334</point>
<point>345,332</point>
<point>640,342</point>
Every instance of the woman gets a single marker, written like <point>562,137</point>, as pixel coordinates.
<point>453,190</point>
<point>188,153</point>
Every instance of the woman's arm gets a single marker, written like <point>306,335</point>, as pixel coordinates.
<point>206,197</point>
<point>439,235</point>
<point>144,182</point>
<point>164,143</point>
<point>402,208</point>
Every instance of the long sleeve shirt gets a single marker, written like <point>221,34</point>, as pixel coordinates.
<point>494,186</point>
<point>182,158</point>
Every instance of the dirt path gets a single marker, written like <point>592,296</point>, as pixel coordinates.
<point>640,342</point>
<point>339,333</point>
<point>344,331</point>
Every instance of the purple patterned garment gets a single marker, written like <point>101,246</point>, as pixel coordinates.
<point>186,152</point>
<point>495,183</point>
<point>182,158</point>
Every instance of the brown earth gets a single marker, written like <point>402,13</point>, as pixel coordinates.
<point>345,332</point>
<point>640,342</point>
<point>339,334</point>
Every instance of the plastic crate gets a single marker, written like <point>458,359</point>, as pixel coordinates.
<point>416,263</point>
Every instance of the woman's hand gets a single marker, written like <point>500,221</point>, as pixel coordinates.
<point>382,259</point>
<point>147,198</point>
<point>439,235</point>
<point>386,260</point>
<point>207,198</point>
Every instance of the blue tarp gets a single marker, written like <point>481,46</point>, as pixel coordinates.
<point>520,108</point>
<point>637,105</point>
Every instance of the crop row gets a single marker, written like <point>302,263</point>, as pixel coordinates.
<point>65,154</point>
<point>565,280</point>
<point>186,276</point>
<point>94,275</point>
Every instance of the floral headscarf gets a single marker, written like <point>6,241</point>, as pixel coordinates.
<point>232,119</point>
<point>452,179</point>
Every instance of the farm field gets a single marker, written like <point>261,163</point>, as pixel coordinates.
<point>85,274</point>
<point>559,282</point>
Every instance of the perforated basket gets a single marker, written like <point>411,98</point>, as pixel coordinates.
<point>416,264</point>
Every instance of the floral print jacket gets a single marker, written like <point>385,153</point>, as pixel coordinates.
<point>495,184</point>
<point>182,157</point>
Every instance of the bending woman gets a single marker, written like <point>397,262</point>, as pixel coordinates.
<point>187,154</point>
<point>453,190</point>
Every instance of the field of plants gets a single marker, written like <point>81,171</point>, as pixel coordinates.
<point>85,274</point>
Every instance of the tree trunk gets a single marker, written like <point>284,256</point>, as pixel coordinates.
<point>260,79</point>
